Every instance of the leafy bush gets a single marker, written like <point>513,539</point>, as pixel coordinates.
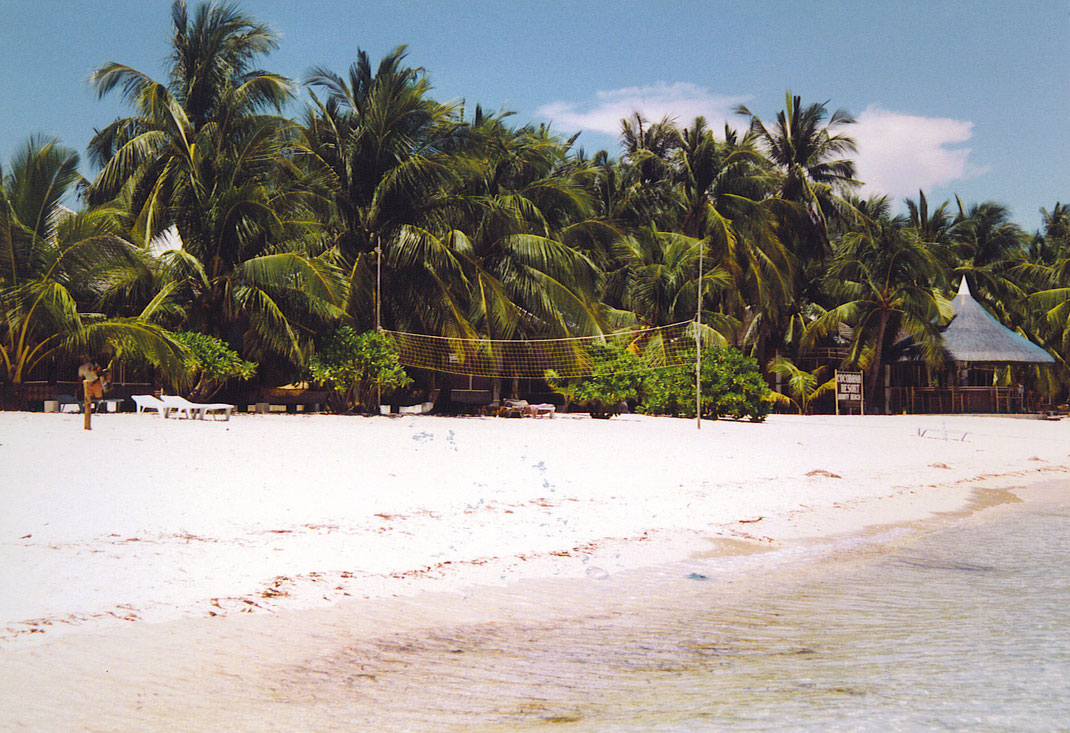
<point>356,368</point>
<point>732,386</point>
<point>617,375</point>
<point>210,364</point>
<point>671,391</point>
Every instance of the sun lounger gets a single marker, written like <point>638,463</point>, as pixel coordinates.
<point>148,402</point>
<point>543,409</point>
<point>68,403</point>
<point>523,408</point>
<point>194,409</point>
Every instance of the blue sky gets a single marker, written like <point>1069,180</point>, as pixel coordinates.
<point>969,98</point>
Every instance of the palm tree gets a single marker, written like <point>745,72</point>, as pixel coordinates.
<point>657,280</point>
<point>804,386</point>
<point>882,276</point>
<point>805,147</point>
<point>933,226</point>
<point>383,152</point>
<point>937,229</point>
<point>1047,274</point>
<point>990,249</point>
<point>202,155</point>
<point>1057,227</point>
<point>986,236</point>
<point>724,189</point>
<point>379,140</point>
<point>524,218</point>
<point>213,83</point>
<point>646,174</point>
<point>55,264</point>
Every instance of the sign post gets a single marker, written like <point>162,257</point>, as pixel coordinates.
<point>849,391</point>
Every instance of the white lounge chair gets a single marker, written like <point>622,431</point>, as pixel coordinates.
<point>198,409</point>
<point>148,402</point>
<point>523,408</point>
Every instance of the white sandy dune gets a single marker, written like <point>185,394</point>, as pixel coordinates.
<point>144,519</point>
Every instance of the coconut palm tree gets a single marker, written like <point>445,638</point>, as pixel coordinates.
<point>212,83</point>
<point>202,155</point>
<point>658,279</point>
<point>881,276</point>
<point>1057,227</point>
<point>806,147</point>
<point>383,152</point>
<point>803,386</point>
<point>937,229</point>
<point>379,141</point>
<point>526,217</point>
<point>990,250</point>
<point>55,264</point>
<point>724,187</point>
<point>1047,275</point>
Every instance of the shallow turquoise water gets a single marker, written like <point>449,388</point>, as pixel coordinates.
<point>965,626</point>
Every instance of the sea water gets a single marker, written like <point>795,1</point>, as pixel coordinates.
<point>963,625</point>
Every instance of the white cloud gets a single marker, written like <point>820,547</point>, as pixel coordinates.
<point>681,100</point>
<point>898,154</point>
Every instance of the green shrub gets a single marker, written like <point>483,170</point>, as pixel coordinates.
<point>356,369</point>
<point>617,375</point>
<point>732,386</point>
<point>210,364</point>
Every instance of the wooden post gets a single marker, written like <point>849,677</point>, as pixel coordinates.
<point>698,342</point>
<point>378,321</point>
<point>87,405</point>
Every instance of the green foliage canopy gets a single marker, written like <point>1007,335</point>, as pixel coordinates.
<point>617,375</point>
<point>355,367</point>
<point>209,366</point>
<point>732,386</point>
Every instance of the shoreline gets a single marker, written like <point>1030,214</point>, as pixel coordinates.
<point>386,662</point>
<point>144,521</point>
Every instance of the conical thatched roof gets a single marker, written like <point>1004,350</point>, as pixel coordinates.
<point>974,335</point>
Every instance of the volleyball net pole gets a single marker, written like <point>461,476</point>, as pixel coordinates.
<point>698,342</point>
<point>378,288</point>
<point>378,317</point>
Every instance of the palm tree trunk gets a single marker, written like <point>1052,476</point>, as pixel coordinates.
<point>875,369</point>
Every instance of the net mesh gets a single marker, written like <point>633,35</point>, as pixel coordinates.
<point>660,346</point>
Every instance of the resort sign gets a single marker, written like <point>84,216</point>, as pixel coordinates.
<point>849,391</point>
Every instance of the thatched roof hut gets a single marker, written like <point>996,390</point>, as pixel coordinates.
<point>976,346</point>
<point>975,336</point>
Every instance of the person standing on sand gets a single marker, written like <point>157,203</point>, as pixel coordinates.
<point>88,373</point>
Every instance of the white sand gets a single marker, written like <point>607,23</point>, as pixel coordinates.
<point>144,519</point>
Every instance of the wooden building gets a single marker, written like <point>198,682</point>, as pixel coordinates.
<point>977,348</point>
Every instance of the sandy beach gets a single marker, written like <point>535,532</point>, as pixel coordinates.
<point>143,530</point>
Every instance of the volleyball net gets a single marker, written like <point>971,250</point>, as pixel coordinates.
<point>659,346</point>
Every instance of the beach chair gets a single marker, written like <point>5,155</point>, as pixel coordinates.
<point>523,408</point>
<point>513,408</point>
<point>148,402</point>
<point>542,409</point>
<point>195,409</point>
<point>69,403</point>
